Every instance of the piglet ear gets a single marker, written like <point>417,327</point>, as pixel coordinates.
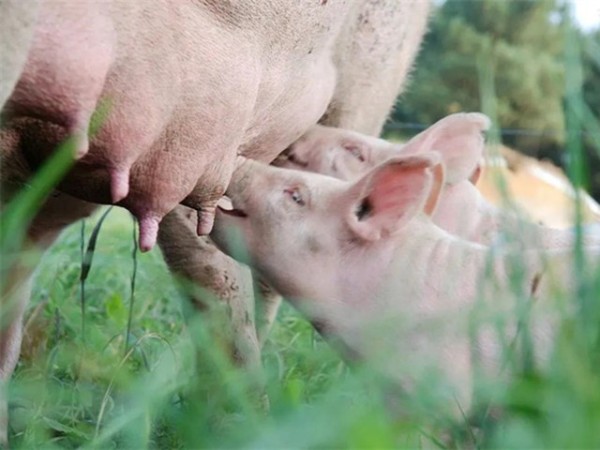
<point>391,194</point>
<point>438,172</point>
<point>459,140</point>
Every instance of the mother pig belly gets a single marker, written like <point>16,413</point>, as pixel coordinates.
<point>256,119</point>
<point>256,114</point>
<point>291,99</point>
<point>172,113</point>
<point>183,151</point>
<point>176,113</point>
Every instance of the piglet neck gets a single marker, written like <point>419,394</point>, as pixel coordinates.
<point>395,275</point>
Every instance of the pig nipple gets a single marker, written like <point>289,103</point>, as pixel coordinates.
<point>78,130</point>
<point>148,231</point>
<point>119,184</point>
<point>206,220</point>
<point>82,145</point>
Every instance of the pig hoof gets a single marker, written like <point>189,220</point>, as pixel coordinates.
<point>119,184</point>
<point>206,220</point>
<point>148,232</point>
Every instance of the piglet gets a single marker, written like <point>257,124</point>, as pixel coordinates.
<point>366,264</point>
<point>462,210</point>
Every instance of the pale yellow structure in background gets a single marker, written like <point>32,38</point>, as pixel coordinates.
<point>538,189</point>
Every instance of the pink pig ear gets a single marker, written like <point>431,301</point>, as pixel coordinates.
<point>459,140</point>
<point>391,194</point>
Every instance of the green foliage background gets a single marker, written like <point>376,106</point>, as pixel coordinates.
<point>524,45</point>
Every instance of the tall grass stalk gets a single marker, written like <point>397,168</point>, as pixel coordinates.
<point>86,262</point>
<point>134,258</point>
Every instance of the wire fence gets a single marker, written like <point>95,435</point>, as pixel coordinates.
<point>414,126</point>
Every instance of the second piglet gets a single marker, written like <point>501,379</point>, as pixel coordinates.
<point>366,264</point>
<point>462,210</point>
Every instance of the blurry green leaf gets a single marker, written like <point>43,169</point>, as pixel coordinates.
<point>57,426</point>
<point>116,310</point>
<point>294,388</point>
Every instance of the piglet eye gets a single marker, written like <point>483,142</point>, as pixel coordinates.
<point>294,194</point>
<point>355,151</point>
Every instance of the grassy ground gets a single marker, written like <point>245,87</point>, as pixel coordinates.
<point>76,389</point>
<point>85,389</point>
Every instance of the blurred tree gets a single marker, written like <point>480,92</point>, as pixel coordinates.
<point>591,69</point>
<point>520,46</point>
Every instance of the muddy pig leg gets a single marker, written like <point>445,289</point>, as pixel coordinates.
<point>267,304</point>
<point>197,260</point>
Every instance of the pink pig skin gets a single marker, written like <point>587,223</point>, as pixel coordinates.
<point>366,264</point>
<point>175,112</point>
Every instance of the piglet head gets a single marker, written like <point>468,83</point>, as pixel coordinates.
<point>299,227</point>
<point>281,219</point>
<point>340,153</point>
<point>348,155</point>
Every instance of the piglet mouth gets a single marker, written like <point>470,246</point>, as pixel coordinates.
<point>225,206</point>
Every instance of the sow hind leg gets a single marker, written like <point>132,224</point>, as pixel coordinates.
<point>217,280</point>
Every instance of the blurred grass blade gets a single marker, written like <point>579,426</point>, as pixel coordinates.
<point>134,253</point>
<point>91,247</point>
<point>86,265</point>
<point>574,117</point>
<point>105,399</point>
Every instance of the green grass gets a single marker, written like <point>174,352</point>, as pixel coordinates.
<point>176,388</point>
<point>71,390</point>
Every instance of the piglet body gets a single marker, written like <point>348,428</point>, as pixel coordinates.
<point>367,265</point>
